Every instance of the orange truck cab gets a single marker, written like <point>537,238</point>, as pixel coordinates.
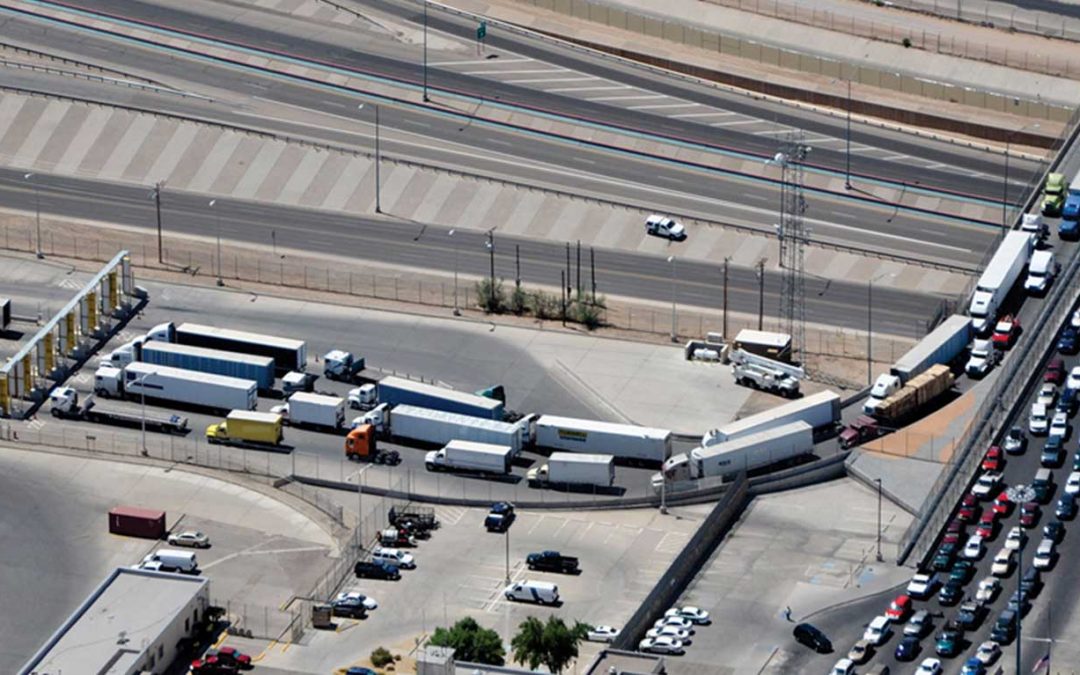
<point>360,443</point>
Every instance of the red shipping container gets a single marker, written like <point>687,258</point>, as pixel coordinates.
<point>136,522</point>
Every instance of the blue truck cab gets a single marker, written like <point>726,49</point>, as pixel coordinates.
<point>1071,210</point>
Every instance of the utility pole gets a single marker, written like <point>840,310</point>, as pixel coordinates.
<point>726,260</point>
<point>37,212</point>
<point>491,255</point>
<point>579,270</point>
<point>1005,191</point>
<point>674,314</point>
<point>879,557</point>
<point>217,214</point>
<point>847,179</point>
<point>157,205</point>
<point>568,277</point>
<point>378,157</point>
<point>562,292</point>
<point>1020,494</point>
<point>592,270</point>
<point>761,293</point>
<point>426,99</point>
<point>869,331</point>
<point>457,310</point>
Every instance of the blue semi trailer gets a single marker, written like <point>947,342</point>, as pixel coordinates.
<point>214,361</point>
<point>398,391</point>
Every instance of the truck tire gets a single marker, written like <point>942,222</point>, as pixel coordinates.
<point>431,467</point>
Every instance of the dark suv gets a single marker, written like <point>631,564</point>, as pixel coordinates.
<point>500,518</point>
<point>812,638</point>
<point>376,570</point>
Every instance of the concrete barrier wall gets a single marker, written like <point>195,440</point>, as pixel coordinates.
<point>809,63</point>
<point>696,552</point>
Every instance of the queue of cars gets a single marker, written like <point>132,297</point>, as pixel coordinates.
<point>674,631</point>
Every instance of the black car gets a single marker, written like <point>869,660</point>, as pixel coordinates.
<point>942,562</point>
<point>1068,343</point>
<point>962,571</point>
<point>970,615</point>
<point>350,607</point>
<point>377,570</point>
<point>1031,582</point>
<point>951,593</point>
<point>813,638</point>
<point>1004,628</point>
<point>1066,507</point>
<point>1052,452</point>
<point>500,517</point>
<point>908,649</point>
<point>1055,530</point>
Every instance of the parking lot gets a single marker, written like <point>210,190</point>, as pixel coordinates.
<point>461,571</point>
<point>263,551</point>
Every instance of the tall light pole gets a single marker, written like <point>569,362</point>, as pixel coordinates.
<point>37,211</point>
<point>491,281</point>
<point>142,397</point>
<point>878,481</point>
<point>847,175</point>
<point>870,325</point>
<point>378,158</point>
<point>360,505</point>
<point>457,310</point>
<point>1005,188</point>
<point>761,293</point>
<point>507,538</point>
<point>156,194</point>
<point>1020,494</point>
<point>663,483</point>
<point>726,261</point>
<point>217,215</point>
<point>674,310</point>
<point>426,99</point>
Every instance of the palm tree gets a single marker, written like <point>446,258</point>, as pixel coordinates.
<point>528,644</point>
<point>553,644</point>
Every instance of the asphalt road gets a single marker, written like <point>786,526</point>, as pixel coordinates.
<point>430,135</point>
<point>836,303</point>
<point>380,65</point>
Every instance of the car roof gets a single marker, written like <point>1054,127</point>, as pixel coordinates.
<point>879,621</point>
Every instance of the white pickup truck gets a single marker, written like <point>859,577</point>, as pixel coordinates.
<point>662,226</point>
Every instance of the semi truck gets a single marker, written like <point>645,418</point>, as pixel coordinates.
<point>983,358</point>
<point>570,468</point>
<point>627,442</point>
<point>288,354</point>
<point>304,409</point>
<point>439,427</point>
<point>743,453</point>
<point>942,345</point>
<point>397,391</point>
<point>247,427</point>
<point>342,365</point>
<point>65,405</point>
<point>231,364</point>
<point>174,385</point>
<point>820,411</point>
<point>998,279</point>
<point>361,444</point>
<point>923,389</point>
<point>469,456</point>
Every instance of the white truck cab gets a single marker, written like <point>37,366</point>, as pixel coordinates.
<point>376,417</point>
<point>363,397</point>
<point>540,592</point>
<point>982,359</point>
<point>662,226</point>
<point>1041,271</point>
<point>1034,223</point>
<point>885,386</point>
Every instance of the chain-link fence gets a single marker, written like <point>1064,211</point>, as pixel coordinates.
<point>259,621</point>
<point>999,15</point>
<point>1012,383</point>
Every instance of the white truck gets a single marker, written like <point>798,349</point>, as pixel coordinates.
<point>342,365</point>
<point>998,279</point>
<point>744,453</point>
<point>820,411</point>
<point>983,358</point>
<point>766,374</point>
<point>627,442</point>
<point>569,468</point>
<point>942,345</point>
<point>1034,224</point>
<point>471,456</point>
<point>540,592</point>
<point>65,405</point>
<point>1041,272</point>
<point>304,409</point>
<point>439,427</point>
<point>288,354</point>
<point>174,385</point>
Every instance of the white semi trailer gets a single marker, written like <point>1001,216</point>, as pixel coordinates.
<point>173,385</point>
<point>627,442</point>
<point>745,453</point>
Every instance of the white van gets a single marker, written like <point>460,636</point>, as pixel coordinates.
<point>1041,271</point>
<point>540,592</point>
<point>169,559</point>
<point>393,556</point>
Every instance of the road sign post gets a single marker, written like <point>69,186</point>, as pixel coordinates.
<point>481,33</point>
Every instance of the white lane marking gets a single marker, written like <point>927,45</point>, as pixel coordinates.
<point>656,106</point>
<point>470,62</point>
<point>771,131</point>
<point>893,158</point>
<point>719,113</point>
<point>277,551</point>
<point>734,123</point>
<point>542,71</point>
<point>552,79</point>
<point>605,88</point>
<point>626,98</point>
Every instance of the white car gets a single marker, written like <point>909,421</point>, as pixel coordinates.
<point>191,538</point>
<point>844,667</point>
<point>929,667</point>
<point>1072,485</point>
<point>1039,420</point>
<point>1047,394</point>
<point>1016,538</point>
<point>1003,563</point>
<point>677,621</point>
<point>988,590</point>
<point>878,631</point>
<point>671,632</point>
<point>691,614</point>
<point>986,484</point>
<point>1073,381</point>
<point>661,645</point>
<point>368,603</point>
<point>1044,555</point>
<point>662,226</point>
<point>1059,426</point>
<point>988,652</point>
<point>973,549</point>
<point>602,633</point>
<point>1074,320</point>
<point>921,585</point>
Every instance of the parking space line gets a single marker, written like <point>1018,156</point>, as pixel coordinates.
<point>535,525</point>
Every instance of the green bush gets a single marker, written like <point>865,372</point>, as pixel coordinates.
<point>491,299</point>
<point>545,305</point>
<point>519,300</point>
<point>381,657</point>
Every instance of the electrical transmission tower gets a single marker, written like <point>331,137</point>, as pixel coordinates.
<point>793,235</point>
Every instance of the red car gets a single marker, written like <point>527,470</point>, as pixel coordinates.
<point>956,526</point>
<point>1006,332</point>
<point>951,538</point>
<point>231,655</point>
<point>968,514</point>
<point>1029,514</point>
<point>1001,505</point>
<point>994,460</point>
<point>987,525</point>
<point>1055,372</point>
<point>899,608</point>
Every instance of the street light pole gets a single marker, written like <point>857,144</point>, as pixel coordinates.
<point>378,157</point>
<point>507,536</point>
<point>761,293</point>
<point>157,206</point>
<point>426,99</point>
<point>725,333</point>
<point>217,215</point>
<point>457,311</point>
<point>879,557</point>
<point>1020,494</point>
<point>847,178</point>
<point>491,280</point>
<point>674,311</point>
<point>869,331</point>
<point>37,212</point>
<point>1005,189</point>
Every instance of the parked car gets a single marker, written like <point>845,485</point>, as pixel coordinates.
<point>987,485</point>
<point>921,585</point>
<point>877,631</point>
<point>973,549</point>
<point>973,666</point>
<point>1002,505</point>
<point>1003,563</point>
<point>988,652</point>
<point>1072,483</point>
<point>929,667</point>
<point>812,637</point>
<point>500,517</point>
<point>192,538</point>
<point>920,624</point>
<point>1055,371</point>
<point>970,615</point>
<point>669,631</point>
<point>907,649</point>
<point>1055,530</point>
<point>1038,419</point>
<point>1052,452</point>
<point>231,656</point>
<point>1029,514</point>
<point>898,608</point>
<point>951,593</point>
<point>661,645</point>
<point>1044,555</point>
<point>602,634</point>
<point>1066,507</point>
<point>1073,380</point>
<point>843,667</point>
<point>694,615</point>
<point>1067,341</point>
<point>368,603</point>
<point>1015,538</point>
<point>988,590</point>
<point>377,570</point>
<point>860,652</point>
<point>1059,426</point>
<point>949,642</point>
<point>994,460</point>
